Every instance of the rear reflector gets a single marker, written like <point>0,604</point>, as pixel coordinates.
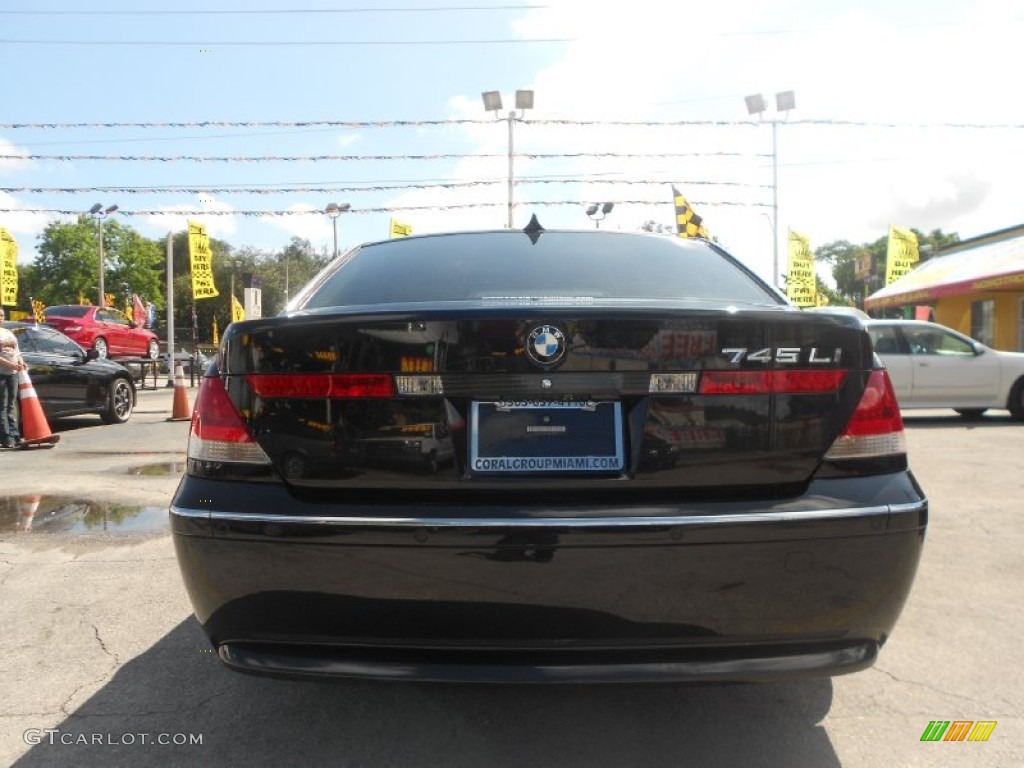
<point>769,382</point>
<point>876,427</point>
<point>320,385</point>
<point>218,431</point>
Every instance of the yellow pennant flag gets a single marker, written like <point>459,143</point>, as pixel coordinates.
<point>38,310</point>
<point>8,269</point>
<point>237,310</point>
<point>201,260</point>
<point>801,282</point>
<point>688,223</point>
<point>398,229</point>
<point>901,255</point>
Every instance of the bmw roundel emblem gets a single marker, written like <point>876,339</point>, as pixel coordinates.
<point>546,345</point>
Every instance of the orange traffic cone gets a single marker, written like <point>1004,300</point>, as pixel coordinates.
<point>27,506</point>
<point>35,432</point>
<point>181,411</point>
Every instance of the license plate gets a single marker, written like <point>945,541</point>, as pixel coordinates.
<point>545,436</point>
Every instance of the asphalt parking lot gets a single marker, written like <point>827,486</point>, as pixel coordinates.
<point>103,664</point>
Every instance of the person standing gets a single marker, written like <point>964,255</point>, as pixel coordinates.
<point>10,363</point>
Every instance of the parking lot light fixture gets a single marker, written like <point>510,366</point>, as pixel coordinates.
<point>99,213</point>
<point>756,105</point>
<point>599,211</point>
<point>334,210</point>
<point>492,103</point>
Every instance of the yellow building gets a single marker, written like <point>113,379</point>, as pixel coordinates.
<point>975,286</point>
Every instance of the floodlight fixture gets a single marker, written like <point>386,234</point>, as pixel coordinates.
<point>755,104</point>
<point>492,100</point>
<point>524,99</point>
<point>785,101</point>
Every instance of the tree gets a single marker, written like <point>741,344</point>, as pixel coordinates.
<point>67,267</point>
<point>660,229</point>
<point>842,256</point>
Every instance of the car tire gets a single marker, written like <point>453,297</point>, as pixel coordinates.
<point>153,349</point>
<point>294,466</point>
<point>971,414</point>
<point>1016,402</point>
<point>100,345</point>
<point>120,402</point>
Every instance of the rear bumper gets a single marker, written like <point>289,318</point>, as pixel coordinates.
<point>759,664</point>
<point>751,591</point>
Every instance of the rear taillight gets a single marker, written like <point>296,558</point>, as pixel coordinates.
<point>218,430</point>
<point>876,427</point>
<point>320,385</point>
<point>770,382</point>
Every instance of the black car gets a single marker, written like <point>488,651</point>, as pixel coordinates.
<point>660,470</point>
<point>70,380</point>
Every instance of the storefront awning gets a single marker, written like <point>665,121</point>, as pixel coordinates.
<point>988,266</point>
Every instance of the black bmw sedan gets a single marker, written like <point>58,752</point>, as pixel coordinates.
<point>71,381</point>
<point>655,468</point>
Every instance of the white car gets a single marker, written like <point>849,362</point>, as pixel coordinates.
<point>932,366</point>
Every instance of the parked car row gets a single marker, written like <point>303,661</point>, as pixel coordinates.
<point>110,332</point>
<point>932,366</point>
<point>70,380</point>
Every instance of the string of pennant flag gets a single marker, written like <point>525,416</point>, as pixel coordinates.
<point>356,158</point>
<point>383,209</point>
<point>485,121</point>
<point>373,188</point>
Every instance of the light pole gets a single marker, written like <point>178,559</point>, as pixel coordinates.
<point>99,213</point>
<point>334,210</point>
<point>603,208</point>
<point>784,101</point>
<point>492,103</point>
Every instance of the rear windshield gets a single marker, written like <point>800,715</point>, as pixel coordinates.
<point>71,310</point>
<point>503,266</point>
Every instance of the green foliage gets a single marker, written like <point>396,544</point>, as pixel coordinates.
<point>842,256</point>
<point>68,263</point>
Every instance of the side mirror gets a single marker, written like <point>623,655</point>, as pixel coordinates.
<point>91,354</point>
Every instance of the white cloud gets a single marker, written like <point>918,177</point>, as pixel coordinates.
<point>652,60</point>
<point>13,164</point>
<point>24,225</point>
<point>310,223</point>
<point>174,219</point>
<point>348,139</point>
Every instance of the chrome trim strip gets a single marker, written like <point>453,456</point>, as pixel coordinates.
<point>788,516</point>
<point>192,514</point>
<point>914,506</point>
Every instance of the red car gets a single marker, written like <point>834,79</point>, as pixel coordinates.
<point>110,332</point>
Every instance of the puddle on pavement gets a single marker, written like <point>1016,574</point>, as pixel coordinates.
<point>159,469</point>
<point>69,515</point>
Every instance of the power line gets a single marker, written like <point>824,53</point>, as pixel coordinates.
<point>358,158</point>
<point>483,121</point>
<point>289,43</point>
<point>381,209</point>
<point>289,11</point>
<point>269,190</point>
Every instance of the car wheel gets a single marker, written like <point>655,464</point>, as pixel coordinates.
<point>100,345</point>
<point>1016,403</point>
<point>120,402</point>
<point>153,350</point>
<point>971,413</point>
<point>295,466</point>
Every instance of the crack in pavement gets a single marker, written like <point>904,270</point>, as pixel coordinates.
<point>115,665</point>
<point>927,687</point>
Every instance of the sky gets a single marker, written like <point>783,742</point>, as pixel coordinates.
<point>906,113</point>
